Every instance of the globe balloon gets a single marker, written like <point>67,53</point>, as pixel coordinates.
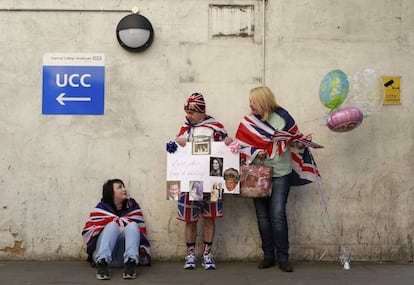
<point>333,89</point>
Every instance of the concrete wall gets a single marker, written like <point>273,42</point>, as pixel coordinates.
<point>53,166</point>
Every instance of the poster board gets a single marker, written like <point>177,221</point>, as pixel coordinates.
<point>200,166</point>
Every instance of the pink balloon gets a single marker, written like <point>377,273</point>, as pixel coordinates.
<point>345,119</point>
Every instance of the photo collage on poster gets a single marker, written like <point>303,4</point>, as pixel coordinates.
<point>203,167</point>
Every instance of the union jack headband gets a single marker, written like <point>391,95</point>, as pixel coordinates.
<point>195,103</point>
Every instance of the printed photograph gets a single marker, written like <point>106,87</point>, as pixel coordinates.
<point>173,190</point>
<point>196,190</point>
<point>216,192</point>
<point>201,147</point>
<point>255,181</point>
<point>216,166</point>
<point>231,180</point>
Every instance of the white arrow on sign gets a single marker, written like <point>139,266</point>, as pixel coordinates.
<point>61,99</point>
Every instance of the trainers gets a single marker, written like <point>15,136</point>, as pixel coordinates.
<point>190,262</point>
<point>130,269</point>
<point>208,262</point>
<point>102,272</point>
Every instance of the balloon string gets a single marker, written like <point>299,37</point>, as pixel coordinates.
<point>343,256</point>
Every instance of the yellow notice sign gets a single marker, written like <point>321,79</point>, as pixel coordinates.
<point>392,90</point>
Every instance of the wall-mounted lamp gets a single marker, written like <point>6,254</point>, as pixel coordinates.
<point>134,32</point>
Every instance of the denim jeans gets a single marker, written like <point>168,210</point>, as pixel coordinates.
<point>272,220</point>
<point>116,247</point>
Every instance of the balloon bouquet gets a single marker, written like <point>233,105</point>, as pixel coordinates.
<point>349,103</point>
<point>360,97</point>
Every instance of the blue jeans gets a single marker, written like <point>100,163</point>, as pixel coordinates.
<point>116,247</point>
<point>272,220</point>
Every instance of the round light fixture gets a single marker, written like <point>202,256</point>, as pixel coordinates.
<point>134,33</point>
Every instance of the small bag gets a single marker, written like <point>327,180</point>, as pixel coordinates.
<point>255,180</point>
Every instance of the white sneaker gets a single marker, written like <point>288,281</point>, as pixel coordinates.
<point>190,262</point>
<point>208,262</point>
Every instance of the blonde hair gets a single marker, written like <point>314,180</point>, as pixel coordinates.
<point>264,101</point>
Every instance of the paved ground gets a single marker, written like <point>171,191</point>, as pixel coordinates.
<point>228,273</point>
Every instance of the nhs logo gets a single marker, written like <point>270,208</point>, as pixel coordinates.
<point>73,84</point>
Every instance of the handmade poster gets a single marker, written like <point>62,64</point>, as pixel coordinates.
<point>204,167</point>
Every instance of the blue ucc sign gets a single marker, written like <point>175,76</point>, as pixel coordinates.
<point>73,84</point>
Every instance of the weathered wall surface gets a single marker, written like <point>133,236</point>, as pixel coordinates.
<point>52,167</point>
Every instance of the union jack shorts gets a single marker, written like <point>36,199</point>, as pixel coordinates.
<point>189,211</point>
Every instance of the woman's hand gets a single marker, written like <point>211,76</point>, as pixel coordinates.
<point>300,145</point>
<point>262,154</point>
<point>308,137</point>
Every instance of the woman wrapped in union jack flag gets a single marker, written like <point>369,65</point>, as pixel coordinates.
<point>270,133</point>
<point>198,124</point>
<point>115,233</point>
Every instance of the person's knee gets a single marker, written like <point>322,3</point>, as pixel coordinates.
<point>279,217</point>
<point>191,224</point>
<point>132,227</point>
<point>208,222</point>
<point>112,226</point>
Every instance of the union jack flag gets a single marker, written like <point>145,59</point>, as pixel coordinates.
<point>190,211</point>
<point>255,135</point>
<point>195,102</point>
<point>104,214</point>
<point>186,131</point>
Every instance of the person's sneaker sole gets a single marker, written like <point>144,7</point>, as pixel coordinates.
<point>127,276</point>
<point>208,266</point>
<point>102,277</point>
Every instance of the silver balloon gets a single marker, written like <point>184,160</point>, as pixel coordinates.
<point>366,92</point>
